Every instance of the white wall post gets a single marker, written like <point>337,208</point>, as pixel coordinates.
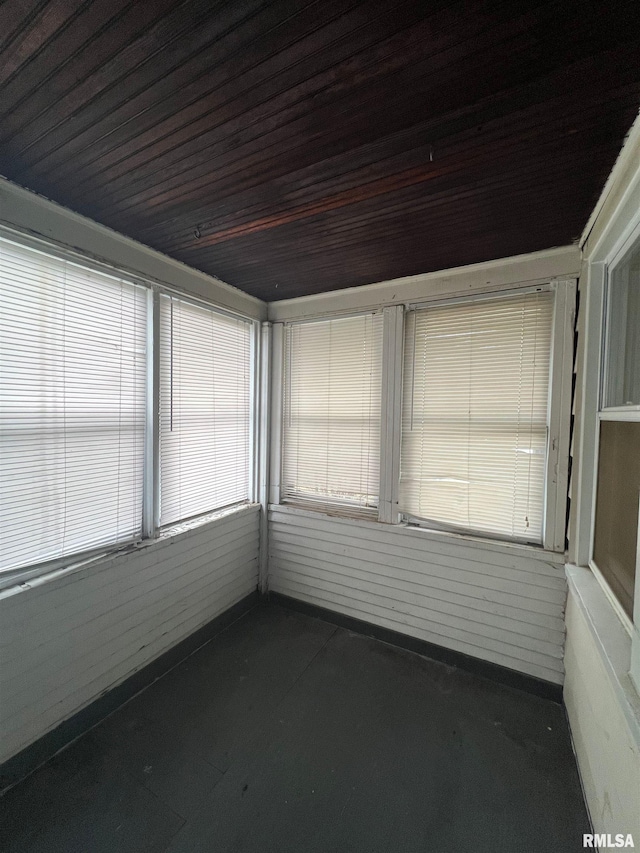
<point>587,440</point>
<point>255,358</point>
<point>277,379</point>
<point>557,475</point>
<point>264,452</point>
<point>151,485</point>
<point>391,413</point>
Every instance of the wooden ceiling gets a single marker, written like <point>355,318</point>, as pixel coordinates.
<point>292,147</point>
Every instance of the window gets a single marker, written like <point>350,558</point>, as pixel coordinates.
<point>475,414</point>
<point>615,535</point>
<point>616,519</point>
<point>120,408</point>
<point>72,408</point>
<point>204,410</point>
<point>331,429</point>
<point>622,359</point>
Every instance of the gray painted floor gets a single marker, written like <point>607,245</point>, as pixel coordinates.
<point>287,734</point>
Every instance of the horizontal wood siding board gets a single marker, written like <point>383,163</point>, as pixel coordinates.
<point>487,669</point>
<point>436,579</point>
<point>503,552</point>
<point>497,602</point>
<point>196,566</point>
<point>61,651</point>
<point>80,645</point>
<point>89,609</point>
<point>28,721</point>
<point>548,673</point>
<point>527,572</point>
<point>439,620</point>
<point>38,751</point>
<point>127,655</point>
<point>151,562</point>
<point>124,618</point>
<point>466,605</point>
<point>395,553</point>
<point>67,676</point>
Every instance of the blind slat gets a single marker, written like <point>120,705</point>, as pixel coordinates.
<point>204,410</point>
<point>474,418</point>
<point>72,408</point>
<point>331,432</point>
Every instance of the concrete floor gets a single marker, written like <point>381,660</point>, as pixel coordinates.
<point>285,733</point>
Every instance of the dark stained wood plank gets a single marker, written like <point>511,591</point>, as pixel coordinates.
<point>539,209</point>
<point>46,21</point>
<point>410,210</point>
<point>234,94</point>
<point>260,36</point>
<point>304,110</point>
<point>123,67</point>
<point>15,15</point>
<point>87,42</point>
<point>375,220</point>
<point>319,145</point>
<point>521,140</point>
<point>492,151</point>
<point>179,153</point>
<point>495,119</point>
<point>304,139</point>
<point>370,262</point>
<point>101,115</point>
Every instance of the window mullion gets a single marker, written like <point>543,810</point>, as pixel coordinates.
<point>254,425</point>
<point>559,415</point>
<point>634,670</point>
<point>264,432</point>
<point>390,422</point>
<point>277,412</point>
<point>151,489</point>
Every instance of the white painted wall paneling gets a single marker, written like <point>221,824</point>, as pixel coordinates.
<point>602,702</point>
<point>499,602</point>
<point>603,707</point>
<point>65,642</point>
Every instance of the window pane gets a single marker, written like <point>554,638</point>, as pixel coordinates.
<point>331,448</point>
<point>204,410</point>
<point>623,335</point>
<point>474,420</point>
<point>616,526</point>
<point>72,408</point>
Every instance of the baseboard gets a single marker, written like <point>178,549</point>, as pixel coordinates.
<point>486,669</point>
<point>41,750</point>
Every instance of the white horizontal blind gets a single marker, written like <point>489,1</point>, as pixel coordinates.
<point>204,410</point>
<point>331,430</point>
<point>474,420</point>
<point>72,408</point>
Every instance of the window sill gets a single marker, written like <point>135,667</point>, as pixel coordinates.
<point>10,586</point>
<point>410,530</point>
<point>612,641</point>
<point>334,510</point>
<point>180,527</point>
<point>484,536</point>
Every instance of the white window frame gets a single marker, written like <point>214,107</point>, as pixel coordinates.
<point>559,425</point>
<point>278,385</point>
<point>559,431</point>
<point>254,403</point>
<point>151,528</point>
<point>594,370</point>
